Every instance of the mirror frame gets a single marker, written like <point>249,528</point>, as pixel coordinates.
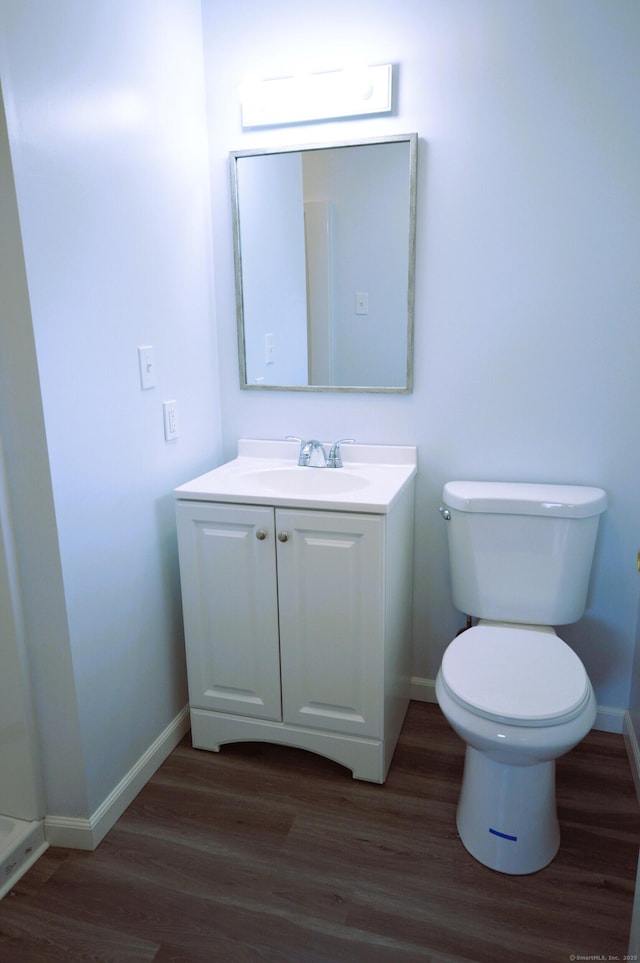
<point>412,141</point>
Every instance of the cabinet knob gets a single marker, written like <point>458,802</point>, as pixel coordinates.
<point>283,537</point>
<point>261,534</point>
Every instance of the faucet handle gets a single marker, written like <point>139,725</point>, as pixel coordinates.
<point>335,458</point>
<point>300,441</point>
<point>303,454</point>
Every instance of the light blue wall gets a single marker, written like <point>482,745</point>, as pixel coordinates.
<point>527,312</point>
<point>105,111</point>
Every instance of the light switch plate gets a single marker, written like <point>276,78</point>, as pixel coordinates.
<point>147,367</point>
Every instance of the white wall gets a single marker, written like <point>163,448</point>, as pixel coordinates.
<point>107,131</point>
<point>527,329</point>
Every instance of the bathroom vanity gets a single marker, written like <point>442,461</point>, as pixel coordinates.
<point>296,586</point>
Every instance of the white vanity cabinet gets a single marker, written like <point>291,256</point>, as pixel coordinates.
<point>298,625</point>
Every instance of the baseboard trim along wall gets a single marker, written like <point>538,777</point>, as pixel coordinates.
<point>86,833</point>
<point>608,719</point>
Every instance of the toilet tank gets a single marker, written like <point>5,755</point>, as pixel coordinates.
<point>521,552</point>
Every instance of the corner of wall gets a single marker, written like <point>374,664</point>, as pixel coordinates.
<point>81,833</point>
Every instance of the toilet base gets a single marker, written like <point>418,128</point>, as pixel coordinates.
<point>507,814</point>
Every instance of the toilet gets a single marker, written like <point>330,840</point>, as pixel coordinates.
<point>520,559</point>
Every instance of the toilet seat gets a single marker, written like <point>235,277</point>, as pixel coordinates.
<point>518,675</point>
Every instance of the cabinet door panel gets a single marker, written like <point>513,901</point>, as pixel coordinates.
<point>229,595</point>
<point>331,620</point>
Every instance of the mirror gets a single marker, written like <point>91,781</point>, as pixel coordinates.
<point>324,244</point>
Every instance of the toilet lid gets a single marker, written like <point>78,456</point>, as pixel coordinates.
<point>519,675</point>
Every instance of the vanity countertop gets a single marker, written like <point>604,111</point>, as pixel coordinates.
<point>267,473</point>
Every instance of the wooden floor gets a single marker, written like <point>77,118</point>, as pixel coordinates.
<point>260,854</point>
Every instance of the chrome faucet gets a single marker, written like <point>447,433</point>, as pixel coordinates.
<point>313,455</point>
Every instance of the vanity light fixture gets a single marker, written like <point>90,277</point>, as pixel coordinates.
<point>297,99</point>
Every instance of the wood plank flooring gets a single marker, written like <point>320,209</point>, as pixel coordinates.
<point>263,854</point>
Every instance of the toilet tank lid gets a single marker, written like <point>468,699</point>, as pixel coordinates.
<point>524,498</point>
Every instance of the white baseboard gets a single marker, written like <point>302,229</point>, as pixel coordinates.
<point>423,690</point>
<point>86,833</point>
<point>608,719</point>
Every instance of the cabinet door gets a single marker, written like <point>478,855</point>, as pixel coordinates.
<point>330,583</point>
<point>228,575</point>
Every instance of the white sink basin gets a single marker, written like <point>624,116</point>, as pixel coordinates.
<point>307,480</point>
<point>267,473</point>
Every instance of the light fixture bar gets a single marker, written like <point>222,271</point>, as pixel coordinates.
<point>319,96</point>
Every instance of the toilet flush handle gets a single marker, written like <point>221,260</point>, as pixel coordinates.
<point>446,514</point>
